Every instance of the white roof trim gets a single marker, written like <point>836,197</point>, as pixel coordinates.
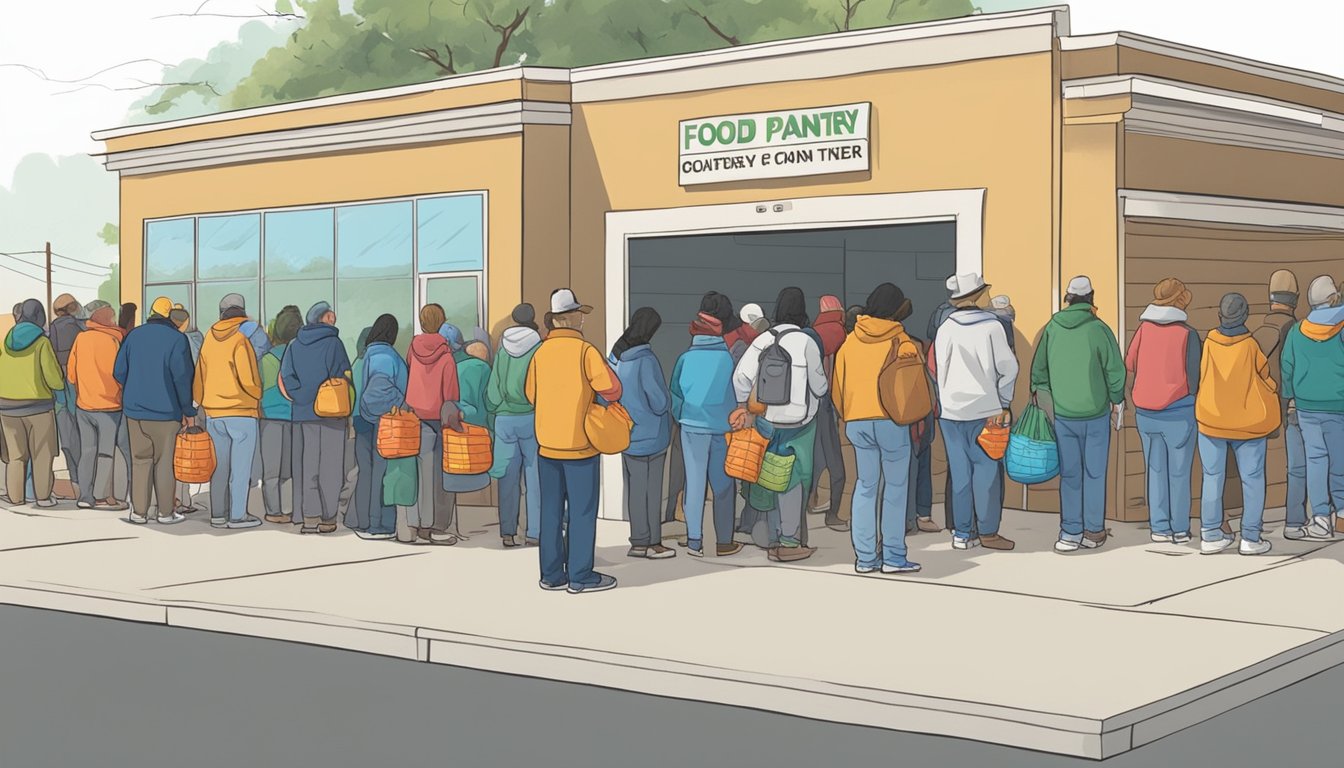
<point>1204,56</point>
<point>1139,203</point>
<point>1161,88</point>
<point>502,74</point>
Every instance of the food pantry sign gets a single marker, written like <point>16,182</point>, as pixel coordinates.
<point>771,145</point>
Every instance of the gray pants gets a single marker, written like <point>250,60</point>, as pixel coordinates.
<point>644,497</point>
<point>827,456</point>
<point>98,432</point>
<point>275,454</point>
<point>67,428</point>
<point>318,458</point>
<point>349,477</point>
<point>434,509</point>
<point>786,519</point>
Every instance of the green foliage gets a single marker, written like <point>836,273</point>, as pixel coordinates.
<point>110,234</point>
<point>110,290</point>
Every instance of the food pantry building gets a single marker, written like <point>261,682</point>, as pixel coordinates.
<point>994,143</point>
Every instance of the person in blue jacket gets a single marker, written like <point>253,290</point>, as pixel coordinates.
<point>381,386</point>
<point>155,370</point>
<point>318,452</point>
<point>702,402</point>
<point>645,395</point>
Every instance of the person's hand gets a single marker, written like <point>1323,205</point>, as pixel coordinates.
<point>1119,409</point>
<point>1002,419</point>
<point>738,418</point>
<point>187,421</point>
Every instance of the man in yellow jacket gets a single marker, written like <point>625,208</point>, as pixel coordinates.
<point>882,447</point>
<point>98,395</point>
<point>1237,408</point>
<point>565,376</point>
<point>228,388</point>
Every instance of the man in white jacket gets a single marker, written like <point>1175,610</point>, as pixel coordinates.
<point>793,422</point>
<point>977,371</point>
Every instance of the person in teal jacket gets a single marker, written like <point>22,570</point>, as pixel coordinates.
<point>515,464</point>
<point>473,374</point>
<point>275,435</point>
<point>1313,386</point>
<point>1078,361</point>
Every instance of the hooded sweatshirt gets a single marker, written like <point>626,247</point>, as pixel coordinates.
<point>29,372</point>
<point>90,368</point>
<point>1078,362</point>
<point>273,402</point>
<point>807,379</point>
<point>976,368</point>
<point>1236,399</point>
<point>830,326</point>
<point>1164,358</point>
<point>382,383</point>
<point>314,356</point>
<point>702,386</point>
<point>566,375</point>
<point>227,381</point>
<point>504,393</point>
<point>1313,362</point>
<point>433,376</point>
<point>473,376</point>
<point>63,332</point>
<point>155,371</point>
<point>859,362</point>
<point>644,393</point>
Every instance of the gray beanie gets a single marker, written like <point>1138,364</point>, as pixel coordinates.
<point>316,312</point>
<point>1233,310</point>
<point>1322,292</point>
<point>232,301</point>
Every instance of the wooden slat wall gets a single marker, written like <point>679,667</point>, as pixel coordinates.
<point>1213,261</point>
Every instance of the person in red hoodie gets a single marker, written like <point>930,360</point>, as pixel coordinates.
<point>432,382</point>
<point>830,327</point>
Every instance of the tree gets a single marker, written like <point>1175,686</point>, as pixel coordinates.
<point>110,290</point>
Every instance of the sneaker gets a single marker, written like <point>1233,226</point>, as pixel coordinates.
<point>1163,538</point>
<point>659,552</point>
<point>783,554</point>
<point>835,523</point>
<point>46,503</point>
<point>695,551</point>
<point>278,519</point>
<point>365,535</point>
<point>1094,540</point>
<point>1255,547</point>
<point>509,542</point>
<point>960,543</point>
<point>172,519</point>
<point>926,525</point>
<point>1321,527</point>
<point>1180,538</point>
<point>1295,533</point>
<point>604,582</point>
<point>906,567</point>
<point>136,519</point>
<point>84,505</point>
<point>642,552</point>
<point>326,528</point>
<point>246,522</point>
<point>995,541</point>
<point>1064,545</point>
<point>866,569</point>
<point>727,550</point>
<point>530,542</point>
<point>553,587</point>
<point>1214,547</point>
<point>219,522</point>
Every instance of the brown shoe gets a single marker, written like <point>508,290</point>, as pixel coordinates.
<point>728,550</point>
<point>1094,540</point>
<point>278,519</point>
<point>926,525</point>
<point>997,542</point>
<point>326,528</point>
<point>790,554</point>
<point>659,552</point>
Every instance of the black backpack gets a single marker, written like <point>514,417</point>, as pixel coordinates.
<point>774,374</point>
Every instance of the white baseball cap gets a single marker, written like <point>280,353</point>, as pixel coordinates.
<point>1080,286</point>
<point>563,300</point>
<point>963,285</point>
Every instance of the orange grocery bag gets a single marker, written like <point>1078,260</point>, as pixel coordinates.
<point>746,451</point>
<point>468,452</point>
<point>193,456</point>
<point>994,439</point>
<point>398,434</point>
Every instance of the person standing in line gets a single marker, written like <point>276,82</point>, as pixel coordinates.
<point>275,430</point>
<point>155,371</point>
<point>380,386</point>
<point>646,397</point>
<point>1313,386</point>
<point>64,329</point>
<point>976,371</point>
<point>181,320</point>
<point>98,399</point>
<point>737,332</point>
<point>566,375</point>
<point>882,447</point>
<point>919,514</point>
<point>793,423</point>
<point>29,378</point>
<point>1272,335</point>
<point>1164,358</point>
<point>826,456</point>
<point>703,401</point>
<point>126,316</point>
<point>515,466</point>
<point>1237,409</point>
<point>473,376</point>
<point>1078,362</point>
<point>314,357</point>
<point>349,465</point>
<point>433,381</point>
<point>227,386</point>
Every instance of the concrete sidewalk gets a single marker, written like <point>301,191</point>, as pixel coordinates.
<point>1089,654</point>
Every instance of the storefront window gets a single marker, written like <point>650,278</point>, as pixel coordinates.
<point>361,301</point>
<point>451,233</point>
<point>179,293</point>
<point>375,240</point>
<point>170,250</point>
<point>229,247</point>
<point>460,298</point>
<point>301,293</point>
<point>209,294</point>
<point>299,244</point>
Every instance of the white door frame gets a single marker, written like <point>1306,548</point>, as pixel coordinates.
<point>965,207</point>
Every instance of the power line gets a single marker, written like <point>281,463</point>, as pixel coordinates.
<point>108,270</point>
<point>83,271</point>
<point>25,274</point>
<point>16,254</point>
<point>79,261</point>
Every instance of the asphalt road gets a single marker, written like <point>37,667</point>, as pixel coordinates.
<point>80,691</point>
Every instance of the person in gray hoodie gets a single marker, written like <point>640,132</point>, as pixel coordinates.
<point>516,448</point>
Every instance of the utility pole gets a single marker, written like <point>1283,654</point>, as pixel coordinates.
<point>51,311</point>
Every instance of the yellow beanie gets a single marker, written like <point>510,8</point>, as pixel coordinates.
<point>161,306</point>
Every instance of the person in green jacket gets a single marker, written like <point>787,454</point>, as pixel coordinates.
<point>515,464</point>
<point>473,373</point>
<point>29,378</point>
<point>276,434</point>
<point>1078,361</point>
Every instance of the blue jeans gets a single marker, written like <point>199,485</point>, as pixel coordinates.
<point>1251,466</point>
<point>1169,451</point>
<point>235,439</point>
<point>882,454</point>
<point>704,454</point>
<point>1323,437</point>
<point>1295,499</point>
<point>516,444</point>
<point>977,486</point>
<point>568,489</point>
<point>1084,446</point>
<point>368,507</point>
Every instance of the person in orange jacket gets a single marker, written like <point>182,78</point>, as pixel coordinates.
<point>98,395</point>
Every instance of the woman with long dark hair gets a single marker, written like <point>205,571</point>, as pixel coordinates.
<point>380,386</point>
<point>645,395</point>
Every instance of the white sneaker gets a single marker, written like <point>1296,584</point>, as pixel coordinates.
<point>1255,547</point>
<point>1180,538</point>
<point>375,536</point>
<point>1067,546</point>
<point>1295,533</point>
<point>865,569</point>
<point>46,503</point>
<point>172,519</point>
<point>960,543</point>
<point>135,519</point>
<point>909,567</point>
<point>1214,547</point>
<point>1163,538</point>
<point>1321,527</point>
